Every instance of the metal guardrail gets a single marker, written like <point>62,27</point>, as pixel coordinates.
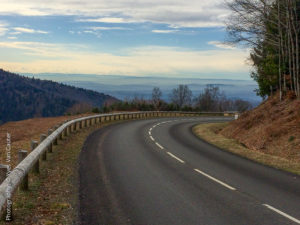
<point>21,171</point>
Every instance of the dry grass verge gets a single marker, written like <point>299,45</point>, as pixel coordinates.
<point>52,197</point>
<point>23,131</point>
<point>209,133</point>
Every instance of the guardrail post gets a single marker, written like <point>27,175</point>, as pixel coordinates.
<point>65,132</point>
<point>60,136</point>
<point>68,130</point>
<point>36,167</point>
<point>55,141</point>
<point>43,137</point>
<point>50,131</point>
<point>22,155</point>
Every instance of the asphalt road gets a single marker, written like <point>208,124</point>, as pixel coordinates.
<point>156,172</point>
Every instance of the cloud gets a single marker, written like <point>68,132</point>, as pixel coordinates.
<point>164,31</point>
<point>109,28</point>
<point>147,60</point>
<point>105,20</point>
<point>20,30</point>
<point>96,33</point>
<point>3,28</point>
<point>192,13</point>
<point>222,45</point>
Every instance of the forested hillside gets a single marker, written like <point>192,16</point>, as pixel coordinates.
<point>271,28</point>
<point>23,98</point>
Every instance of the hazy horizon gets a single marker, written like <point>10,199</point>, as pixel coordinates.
<point>123,87</point>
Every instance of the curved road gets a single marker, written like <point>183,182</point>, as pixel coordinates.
<point>156,172</point>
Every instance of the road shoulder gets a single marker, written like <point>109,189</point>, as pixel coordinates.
<point>208,132</point>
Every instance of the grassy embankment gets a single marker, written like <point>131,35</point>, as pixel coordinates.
<point>268,134</point>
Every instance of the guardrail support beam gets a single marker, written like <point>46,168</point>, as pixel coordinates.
<point>24,184</point>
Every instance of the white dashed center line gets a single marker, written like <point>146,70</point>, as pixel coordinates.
<point>216,180</point>
<point>161,147</point>
<point>212,178</point>
<point>175,157</point>
<point>282,213</point>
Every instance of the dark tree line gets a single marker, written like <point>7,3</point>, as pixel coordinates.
<point>271,28</point>
<point>23,98</point>
<point>181,99</point>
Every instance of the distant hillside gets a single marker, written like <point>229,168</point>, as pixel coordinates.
<point>23,98</point>
<point>273,128</point>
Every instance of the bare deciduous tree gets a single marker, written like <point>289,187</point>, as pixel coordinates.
<point>181,96</point>
<point>156,97</point>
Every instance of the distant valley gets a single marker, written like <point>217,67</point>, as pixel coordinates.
<point>123,87</point>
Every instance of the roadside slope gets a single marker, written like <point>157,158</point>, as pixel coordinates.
<point>272,128</point>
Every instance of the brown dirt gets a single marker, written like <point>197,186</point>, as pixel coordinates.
<point>271,128</point>
<point>22,132</point>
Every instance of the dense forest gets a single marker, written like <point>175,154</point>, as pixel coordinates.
<point>271,28</point>
<point>22,98</point>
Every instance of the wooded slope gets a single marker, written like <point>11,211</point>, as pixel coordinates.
<point>23,98</point>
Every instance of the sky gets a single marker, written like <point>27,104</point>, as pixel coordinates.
<point>171,38</point>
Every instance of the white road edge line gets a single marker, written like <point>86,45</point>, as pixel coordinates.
<point>175,157</point>
<point>161,147</point>
<point>282,213</point>
<point>216,180</point>
<point>152,138</point>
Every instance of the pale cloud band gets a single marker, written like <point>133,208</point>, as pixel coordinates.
<point>142,61</point>
<point>28,30</point>
<point>192,13</point>
<point>164,31</point>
